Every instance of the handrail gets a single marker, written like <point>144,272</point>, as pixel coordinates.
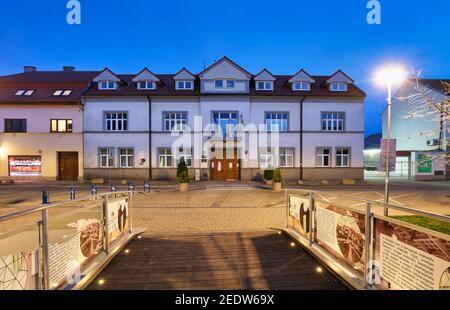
<point>55,204</point>
<point>435,216</point>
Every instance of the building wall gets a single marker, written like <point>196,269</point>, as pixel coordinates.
<point>38,141</point>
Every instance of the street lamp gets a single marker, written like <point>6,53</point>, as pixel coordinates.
<point>389,76</point>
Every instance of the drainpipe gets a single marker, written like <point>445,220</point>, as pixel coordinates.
<point>149,138</point>
<point>302,100</point>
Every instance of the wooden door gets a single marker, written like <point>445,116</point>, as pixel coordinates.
<point>68,166</point>
<point>225,169</point>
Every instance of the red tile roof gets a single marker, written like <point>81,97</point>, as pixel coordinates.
<point>80,82</point>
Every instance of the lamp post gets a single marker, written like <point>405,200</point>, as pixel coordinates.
<point>388,76</point>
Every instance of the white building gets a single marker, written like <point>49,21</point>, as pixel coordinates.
<point>132,124</point>
<point>41,124</point>
<point>417,129</point>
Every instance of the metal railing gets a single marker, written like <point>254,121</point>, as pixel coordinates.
<point>361,268</point>
<point>97,212</point>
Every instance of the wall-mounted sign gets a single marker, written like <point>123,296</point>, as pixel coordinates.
<point>430,163</point>
<point>25,166</point>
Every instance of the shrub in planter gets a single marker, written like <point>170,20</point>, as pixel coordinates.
<point>277,179</point>
<point>181,167</point>
<point>183,176</point>
<point>268,176</point>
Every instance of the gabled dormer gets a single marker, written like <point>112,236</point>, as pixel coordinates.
<point>146,80</point>
<point>301,81</point>
<point>225,76</point>
<point>184,80</point>
<point>339,82</point>
<point>107,80</point>
<point>264,81</point>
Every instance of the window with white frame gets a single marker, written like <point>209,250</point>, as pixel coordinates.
<point>218,83</point>
<point>338,86</point>
<point>342,157</point>
<point>106,159</point>
<point>185,85</point>
<point>262,85</point>
<point>266,158</point>
<point>165,157</point>
<point>276,121</point>
<point>186,154</point>
<point>116,121</point>
<point>230,83</point>
<point>301,86</point>
<point>126,157</point>
<point>107,85</point>
<point>227,121</point>
<point>176,121</point>
<point>323,157</point>
<point>146,85</point>
<point>224,83</point>
<point>286,157</point>
<point>332,121</point>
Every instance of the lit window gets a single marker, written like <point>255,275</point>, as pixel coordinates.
<point>57,93</point>
<point>218,83</point>
<point>323,157</point>
<point>165,157</point>
<point>175,121</point>
<point>29,92</point>
<point>20,92</point>
<point>116,121</point>
<point>146,85</point>
<point>302,86</point>
<point>338,86</point>
<point>332,121</point>
<point>277,121</point>
<point>126,157</point>
<point>106,159</point>
<point>184,85</point>
<point>67,93</point>
<point>61,125</point>
<point>342,157</point>
<point>61,92</point>
<point>107,85</point>
<point>264,85</point>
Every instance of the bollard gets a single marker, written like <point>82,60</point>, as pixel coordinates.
<point>146,186</point>
<point>72,193</point>
<point>131,187</point>
<point>93,189</point>
<point>45,197</point>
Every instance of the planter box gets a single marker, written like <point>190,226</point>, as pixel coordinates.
<point>277,186</point>
<point>184,187</point>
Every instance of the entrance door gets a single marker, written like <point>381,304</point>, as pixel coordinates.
<point>68,166</point>
<point>225,169</point>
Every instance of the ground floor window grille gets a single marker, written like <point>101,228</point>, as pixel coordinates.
<point>342,157</point>
<point>126,157</point>
<point>106,157</point>
<point>286,157</point>
<point>165,157</point>
<point>323,156</point>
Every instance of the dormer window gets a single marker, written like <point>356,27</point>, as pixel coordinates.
<point>146,85</point>
<point>301,86</point>
<point>223,83</point>
<point>185,85</point>
<point>263,85</point>
<point>107,85</point>
<point>338,86</point>
<point>24,92</point>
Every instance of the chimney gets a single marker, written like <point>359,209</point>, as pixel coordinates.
<point>29,69</point>
<point>68,68</point>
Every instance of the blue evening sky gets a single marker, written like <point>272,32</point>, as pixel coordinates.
<point>284,36</point>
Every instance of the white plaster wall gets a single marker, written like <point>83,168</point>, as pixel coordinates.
<point>189,105</point>
<point>353,109</point>
<point>94,141</point>
<point>137,108</point>
<point>353,140</point>
<point>39,116</point>
<point>261,105</point>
